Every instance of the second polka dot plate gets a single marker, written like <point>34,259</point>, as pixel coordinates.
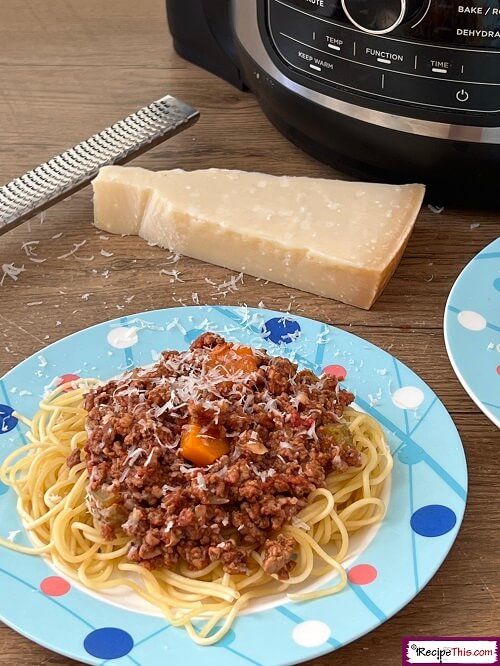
<point>472,330</point>
<point>386,567</point>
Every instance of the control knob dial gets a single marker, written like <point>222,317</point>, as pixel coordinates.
<point>378,17</point>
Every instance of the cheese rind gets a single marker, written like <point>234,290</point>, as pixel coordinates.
<point>337,239</point>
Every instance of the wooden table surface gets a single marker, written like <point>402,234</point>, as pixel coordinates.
<point>68,69</point>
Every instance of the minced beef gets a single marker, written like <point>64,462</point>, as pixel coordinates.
<point>273,419</point>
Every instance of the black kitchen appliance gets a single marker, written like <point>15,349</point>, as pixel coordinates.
<point>393,90</point>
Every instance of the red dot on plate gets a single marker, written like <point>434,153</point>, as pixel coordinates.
<point>338,370</point>
<point>63,379</point>
<point>362,574</point>
<point>498,369</point>
<point>54,586</point>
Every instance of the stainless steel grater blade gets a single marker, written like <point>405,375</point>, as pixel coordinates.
<point>68,172</point>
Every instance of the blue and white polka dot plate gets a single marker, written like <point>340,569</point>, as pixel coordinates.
<point>472,330</point>
<point>387,567</point>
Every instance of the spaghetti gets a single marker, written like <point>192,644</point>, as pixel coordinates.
<point>53,505</point>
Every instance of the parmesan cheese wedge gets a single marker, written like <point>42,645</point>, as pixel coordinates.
<point>334,238</point>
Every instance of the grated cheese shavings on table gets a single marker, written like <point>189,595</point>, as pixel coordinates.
<point>228,283</point>
<point>435,209</point>
<point>172,259</point>
<point>173,273</point>
<point>12,271</point>
<point>76,247</point>
<point>226,287</point>
<point>28,247</point>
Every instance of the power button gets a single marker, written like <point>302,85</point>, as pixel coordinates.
<point>462,95</point>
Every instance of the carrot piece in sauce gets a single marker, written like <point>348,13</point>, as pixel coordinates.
<point>232,359</point>
<point>201,449</point>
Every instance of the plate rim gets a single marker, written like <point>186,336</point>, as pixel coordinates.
<point>448,344</point>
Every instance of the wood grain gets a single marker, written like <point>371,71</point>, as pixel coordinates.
<point>67,69</point>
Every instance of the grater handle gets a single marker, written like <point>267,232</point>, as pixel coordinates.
<point>73,169</point>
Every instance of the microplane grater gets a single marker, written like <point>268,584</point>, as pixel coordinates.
<point>73,169</point>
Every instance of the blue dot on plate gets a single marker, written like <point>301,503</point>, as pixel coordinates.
<point>410,454</point>
<point>7,420</point>
<point>496,284</point>
<point>108,643</point>
<point>3,488</point>
<point>281,330</point>
<point>433,520</point>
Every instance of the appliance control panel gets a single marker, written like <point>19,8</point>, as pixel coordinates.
<point>442,54</point>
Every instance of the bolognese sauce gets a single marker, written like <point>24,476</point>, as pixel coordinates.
<point>208,454</point>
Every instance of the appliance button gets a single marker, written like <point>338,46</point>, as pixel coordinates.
<point>285,21</point>
<point>440,93</point>
<point>335,39</point>
<point>306,59</point>
<point>332,70</point>
<point>383,53</point>
<point>439,63</point>
<point>440,67</point>
<point>458,65</point>
<point>334,43</point>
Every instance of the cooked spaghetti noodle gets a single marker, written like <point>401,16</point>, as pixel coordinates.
<point>52,505</point>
